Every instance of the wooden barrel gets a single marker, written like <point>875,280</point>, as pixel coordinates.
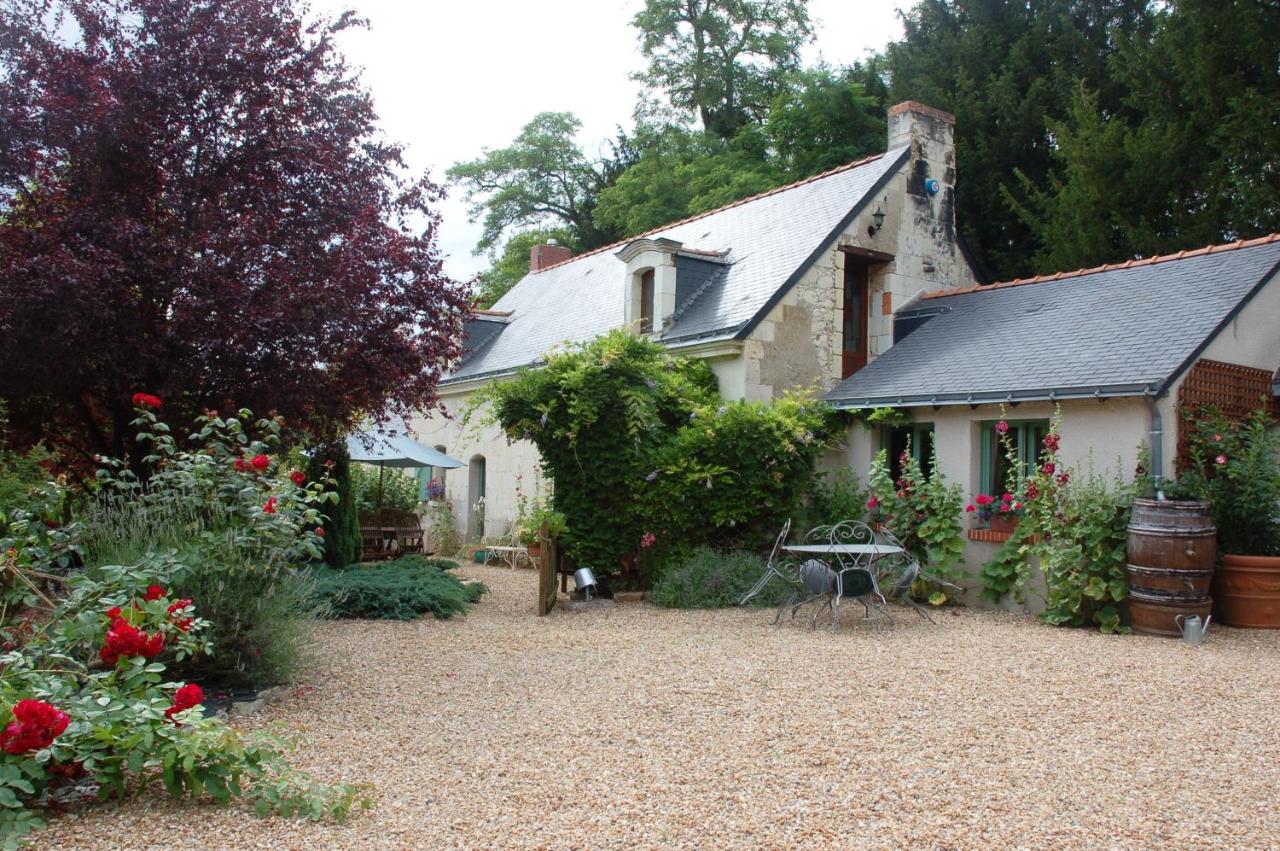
<point>1156,615</point>
<point>1172,546</point>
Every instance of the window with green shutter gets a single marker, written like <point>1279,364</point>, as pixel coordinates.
<point>1027,437</point>
<point>918,436</point>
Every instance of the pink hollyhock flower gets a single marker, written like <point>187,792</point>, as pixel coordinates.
<point>1002,426</point>
<point>873,503</point>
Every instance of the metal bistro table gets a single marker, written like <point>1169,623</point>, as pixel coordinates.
<point>849,557</point>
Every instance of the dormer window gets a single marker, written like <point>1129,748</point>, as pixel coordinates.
<point>646,302</point>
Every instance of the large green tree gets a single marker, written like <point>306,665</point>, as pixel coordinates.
<point>542,179</point>
<point>826,117</point>
<point>1008,70</point>
<point>722,61</point>
<point>1193,158</point>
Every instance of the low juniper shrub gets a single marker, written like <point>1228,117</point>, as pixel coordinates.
<point>403,589</point>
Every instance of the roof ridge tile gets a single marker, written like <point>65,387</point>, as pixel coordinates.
<point>768,192</point>
<point>1108,267</point>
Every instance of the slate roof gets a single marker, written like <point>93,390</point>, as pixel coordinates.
<point>767,240</point>
<point>1119,330</point>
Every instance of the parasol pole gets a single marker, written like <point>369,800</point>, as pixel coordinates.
<point>382,468</point>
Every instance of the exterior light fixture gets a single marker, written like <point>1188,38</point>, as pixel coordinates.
<point>877,219</point>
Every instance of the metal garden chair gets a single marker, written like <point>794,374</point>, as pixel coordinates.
<point>901,571</point>
<point>776,567</point>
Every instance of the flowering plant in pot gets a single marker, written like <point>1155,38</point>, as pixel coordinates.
<point>1000,514</point>
<point>1236,466</point>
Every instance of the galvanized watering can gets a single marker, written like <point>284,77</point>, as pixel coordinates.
<point>585,581</point>
<point>1193,631</point>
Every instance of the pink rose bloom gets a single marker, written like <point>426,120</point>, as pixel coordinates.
<point>1220,460</point>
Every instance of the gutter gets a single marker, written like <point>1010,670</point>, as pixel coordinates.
<point>920,400</point>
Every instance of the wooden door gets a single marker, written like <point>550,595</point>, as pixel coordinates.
<point>853,352</point>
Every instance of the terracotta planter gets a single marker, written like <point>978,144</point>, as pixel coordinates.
<point>535,549</point>
<point>1247,591</point>
<point>1003,522</point>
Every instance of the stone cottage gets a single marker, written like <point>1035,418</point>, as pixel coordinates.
<point>855,281</point>
<point>795,287</point>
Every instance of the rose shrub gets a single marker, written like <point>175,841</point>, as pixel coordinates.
<point>70,709</point>
<point>238,523</point>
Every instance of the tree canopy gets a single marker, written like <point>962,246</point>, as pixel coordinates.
<point>1086,130</point>
<point>195,202</point>
<point>721,60</point>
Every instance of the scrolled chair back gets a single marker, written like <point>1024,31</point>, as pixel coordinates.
<point>781,541</point>
<point>851,532</point>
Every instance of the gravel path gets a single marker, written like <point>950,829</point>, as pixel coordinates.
<point>640,727</point>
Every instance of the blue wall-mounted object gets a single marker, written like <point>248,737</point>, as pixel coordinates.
<point>932,186</point>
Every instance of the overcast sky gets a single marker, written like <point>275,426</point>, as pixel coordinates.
<point>451,77</point>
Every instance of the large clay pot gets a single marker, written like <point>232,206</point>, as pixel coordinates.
<point>1172,546</point>
<point>1247,591</point>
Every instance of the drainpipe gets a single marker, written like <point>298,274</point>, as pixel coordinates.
<point>1157,446</point>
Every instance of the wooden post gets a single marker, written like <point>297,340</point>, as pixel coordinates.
<point>548,561</point>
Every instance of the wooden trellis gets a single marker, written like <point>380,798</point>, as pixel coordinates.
<point>1235,390</point>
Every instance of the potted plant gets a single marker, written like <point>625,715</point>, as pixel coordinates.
<point>542,515</point>
<point>999,515</point>
<point>1236,465</point>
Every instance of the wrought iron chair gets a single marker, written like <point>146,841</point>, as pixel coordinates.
<point>900,572</point>
<point>785,571</point>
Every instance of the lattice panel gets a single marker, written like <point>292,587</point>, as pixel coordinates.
<point>1234,389</point>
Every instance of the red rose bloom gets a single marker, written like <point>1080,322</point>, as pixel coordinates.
<point>125,641</point>
<point>270,506</point>
<point>146,400</point>
<point>260,462</point>
<point>242,466</point>
<point>113,612</point>
<point>298,477</point>
<point>183,699</point>
<point>320,531</point>
<point>154,592</point>
<point>36,724</point>
<point>178,607</point>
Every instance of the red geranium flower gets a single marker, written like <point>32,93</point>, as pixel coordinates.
<point>146,400</point>
<point>970,508</point>
<point>270,506</point>
<point>154,592</point>
<point>260,462</point>
<point>298,477</point>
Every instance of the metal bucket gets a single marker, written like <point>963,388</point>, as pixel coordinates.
<point>585,581</point>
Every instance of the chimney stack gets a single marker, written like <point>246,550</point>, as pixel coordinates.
<point>548,254</point>
<point>931,133</point>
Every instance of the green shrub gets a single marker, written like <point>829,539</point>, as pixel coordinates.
<point>403,589</point>
<point>342,544</point>
<point>645,454</point>
<point>399,489</point>
<point>833,497</point>
<point>240,535</point>
<point>710,579</point>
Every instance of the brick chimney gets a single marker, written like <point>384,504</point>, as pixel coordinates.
<point>548,254</point>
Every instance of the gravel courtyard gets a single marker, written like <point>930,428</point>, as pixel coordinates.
<point>638,727</point>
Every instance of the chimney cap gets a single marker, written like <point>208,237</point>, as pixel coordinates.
<point>922,109</point>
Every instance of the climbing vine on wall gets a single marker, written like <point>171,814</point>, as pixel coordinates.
<point>647,457</point>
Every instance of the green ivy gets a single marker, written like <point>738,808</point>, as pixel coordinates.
<point>647,457</point>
